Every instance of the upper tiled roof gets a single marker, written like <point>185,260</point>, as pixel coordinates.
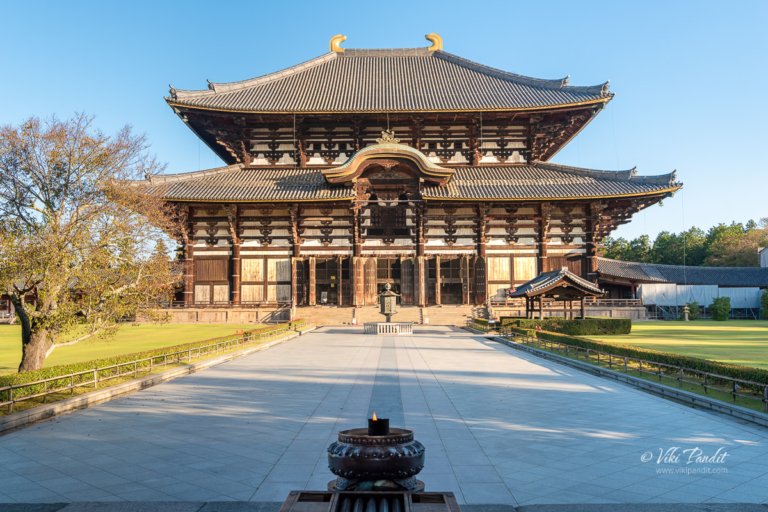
<point>547,181</point>
<point>513,182</point>
<point>399,80</point>
<point>678,274</point>
<point>553,279</point>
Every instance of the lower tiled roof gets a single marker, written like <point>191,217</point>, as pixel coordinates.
<point>237,183</point>
<point>678,274</point>
<point>546,181</point>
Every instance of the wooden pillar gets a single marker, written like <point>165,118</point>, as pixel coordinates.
<point>358,278</point>
<point>339,292</point>
<point>543,229</point>
<point>583,315</point>
<point>233,218</point>
<point>541,307</point>
<point>465,279</point>
<point>295,213</point>
<point>438,299</point>
<point>312,279</point>
<point>357,266</point>
<point>593,226</point>
<point>188,242</point>
<point>420,274</point>
<point>295,262</point>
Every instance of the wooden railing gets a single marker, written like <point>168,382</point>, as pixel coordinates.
<point>698,379</point>
<point>95,377</point>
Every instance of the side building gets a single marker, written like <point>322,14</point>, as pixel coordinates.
<point>409,166</point>
<point>664,289</point>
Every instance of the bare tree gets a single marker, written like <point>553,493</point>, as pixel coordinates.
<point>77,240</point>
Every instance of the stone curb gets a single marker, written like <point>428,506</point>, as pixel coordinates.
<point>680,395</point>
<point>43,412</point>
<point>240,506</point>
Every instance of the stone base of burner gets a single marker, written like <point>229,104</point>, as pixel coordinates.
<point>388,328</point>
<point>409,485</point>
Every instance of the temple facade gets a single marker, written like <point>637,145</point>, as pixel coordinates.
<point>413,167</point>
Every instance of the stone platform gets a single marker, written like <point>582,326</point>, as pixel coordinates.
<point>388,328</point>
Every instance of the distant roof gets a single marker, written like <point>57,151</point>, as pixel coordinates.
<point>678,274</point>
<point>393,80</point>
<point>550,281</point>
<point>512,182</point>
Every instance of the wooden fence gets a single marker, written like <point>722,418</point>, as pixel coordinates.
<point>737,389</point>
<point>99,376</point>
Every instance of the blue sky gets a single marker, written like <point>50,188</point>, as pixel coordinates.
<point>689,77</point>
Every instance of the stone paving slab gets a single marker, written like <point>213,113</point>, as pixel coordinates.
<point>500,426</point>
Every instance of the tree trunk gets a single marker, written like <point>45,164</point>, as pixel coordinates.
<point>34,349</point>
<point>35,342</point>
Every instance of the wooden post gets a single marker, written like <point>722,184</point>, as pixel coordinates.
<point>233,219</point>
<point>188,234</point>
<point>312,298</point>
<point>583,315</point>
<point>421,281</point>
<point>541,307</point>
<point>438,298</point>
<point>339,294</point>
<point>358,278</point>
<point>593,226</point>
<point>294,284</point>
<point>543,228</point>
<point>464,279</point>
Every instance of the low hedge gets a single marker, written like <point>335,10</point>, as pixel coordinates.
<point>581,327</point>
<point>61,370</point>
<point>693,363</point>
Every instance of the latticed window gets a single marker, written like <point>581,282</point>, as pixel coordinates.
<point>388,220</point>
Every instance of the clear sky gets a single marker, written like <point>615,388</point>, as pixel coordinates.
<point>690,77</point>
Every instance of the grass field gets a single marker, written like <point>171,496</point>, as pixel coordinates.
<point>128,339</point>
<point>743,342</point>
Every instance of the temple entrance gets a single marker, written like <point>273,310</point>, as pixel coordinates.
<point>450,281</point>
<point>332,282</point>
<point>389,270</point>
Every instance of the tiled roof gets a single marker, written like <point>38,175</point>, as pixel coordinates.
<point>546,181</point>
<point>404,80</point>
<point>239,184</point>
<point>678,274</point>
<point>548,280</point>
<point>513,182</point>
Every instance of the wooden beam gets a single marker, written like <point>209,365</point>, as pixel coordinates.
<point>233,222</point>
<point>312,281</point>
<point>543,224</point>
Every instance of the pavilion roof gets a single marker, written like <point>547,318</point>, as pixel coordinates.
<point>388,80</point>
<point>537,181</point>
<point>548,282</point>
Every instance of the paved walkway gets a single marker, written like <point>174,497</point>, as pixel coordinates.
<point>500,426</point>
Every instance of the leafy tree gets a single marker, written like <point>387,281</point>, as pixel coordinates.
<point>640,249</point>
<point>73,248</point>
<point>720,308</point>
<point>764,304</point>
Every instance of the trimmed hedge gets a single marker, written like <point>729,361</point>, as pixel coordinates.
<point>581,327</point>
<point>56,371</point>
<point>720,309</point>
<point>693,363</point>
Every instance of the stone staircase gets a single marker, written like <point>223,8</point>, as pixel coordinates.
<point>433,315</point>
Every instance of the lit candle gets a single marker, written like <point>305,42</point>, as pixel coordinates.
<point>378,426</point>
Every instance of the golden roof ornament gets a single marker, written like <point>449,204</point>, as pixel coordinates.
<point>336,41</point>
<point>388,137</point>
<point>436,40</point>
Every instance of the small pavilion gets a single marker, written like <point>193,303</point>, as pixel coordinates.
<point>561,285</point>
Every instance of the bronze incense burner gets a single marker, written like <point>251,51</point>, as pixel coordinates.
<point>366,462</point>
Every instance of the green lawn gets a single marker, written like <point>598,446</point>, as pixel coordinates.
<point>128,339</point>
<point>743,342</point>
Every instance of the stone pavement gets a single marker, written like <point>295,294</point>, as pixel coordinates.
<point>500,426</point>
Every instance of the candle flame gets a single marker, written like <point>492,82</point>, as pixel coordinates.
<point>374,416</point>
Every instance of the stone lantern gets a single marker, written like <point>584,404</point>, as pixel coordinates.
<point>388,302</point>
